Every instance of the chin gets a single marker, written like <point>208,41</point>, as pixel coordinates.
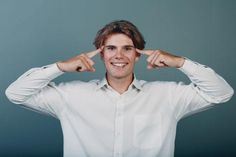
<point>120,76</point>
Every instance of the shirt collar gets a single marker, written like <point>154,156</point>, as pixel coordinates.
<point>103,83</point>
<point>136,83</point>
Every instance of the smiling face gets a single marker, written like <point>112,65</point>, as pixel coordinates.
<point>119,56</point>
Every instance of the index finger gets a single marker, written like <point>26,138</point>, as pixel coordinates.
<point>94,53</point>
<point>145,52</point>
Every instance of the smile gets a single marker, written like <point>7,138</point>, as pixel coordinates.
<point>119,64</point>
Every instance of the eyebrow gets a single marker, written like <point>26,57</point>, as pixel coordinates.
<point>122,46</point>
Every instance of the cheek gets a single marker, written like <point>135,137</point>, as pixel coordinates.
<point>107,56</point>
<point>132,57</point>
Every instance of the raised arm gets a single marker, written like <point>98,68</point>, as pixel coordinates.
<point>35,90</point>
<point>205,80</point>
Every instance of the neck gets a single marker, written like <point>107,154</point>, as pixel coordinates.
<point>120,84</point>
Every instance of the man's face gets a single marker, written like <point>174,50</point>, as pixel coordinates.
<point>119,56</point>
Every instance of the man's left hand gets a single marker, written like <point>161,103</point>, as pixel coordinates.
<point>159,59</point>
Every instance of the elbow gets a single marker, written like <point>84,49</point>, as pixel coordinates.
<point>230,94</point>
<point>9,94</point>
<point>221,96</point>
<point>12,96</point>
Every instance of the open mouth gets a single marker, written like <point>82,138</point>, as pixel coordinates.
<point>119,64</point>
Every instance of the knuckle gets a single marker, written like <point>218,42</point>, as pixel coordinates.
<point>82,55</point>
<point>158,51</point>
<point>79,61</point>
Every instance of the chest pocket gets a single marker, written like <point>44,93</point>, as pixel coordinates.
<point>147,131</point>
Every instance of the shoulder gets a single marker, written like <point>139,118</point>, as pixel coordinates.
<point>76,84</point>
<point>163,85</point>
<point>157,83</point>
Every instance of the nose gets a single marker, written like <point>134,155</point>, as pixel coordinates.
<point>119,53</point>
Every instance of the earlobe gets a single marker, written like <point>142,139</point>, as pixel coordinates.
<point>102,55</point>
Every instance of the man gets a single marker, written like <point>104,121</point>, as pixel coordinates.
<point>119,115</point>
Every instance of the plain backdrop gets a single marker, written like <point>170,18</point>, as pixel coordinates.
<point>34,33</point>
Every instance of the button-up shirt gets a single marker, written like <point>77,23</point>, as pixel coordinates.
<point>97,121</point>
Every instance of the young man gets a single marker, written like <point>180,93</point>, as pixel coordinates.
<point>119,115</point>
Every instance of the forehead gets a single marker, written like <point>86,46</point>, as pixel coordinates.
<point>118,40</point>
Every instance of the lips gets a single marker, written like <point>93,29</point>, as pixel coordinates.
<point>119,64</point>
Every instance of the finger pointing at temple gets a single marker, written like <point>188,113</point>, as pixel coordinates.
<point>79,63</point>
<point>145,52</point>
<point>159,58</point>
<point>94,53</point>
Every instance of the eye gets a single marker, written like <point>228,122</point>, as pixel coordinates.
<point>110,48</point>
<point>128,48</point>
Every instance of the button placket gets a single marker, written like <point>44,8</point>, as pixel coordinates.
<point>118,129</point>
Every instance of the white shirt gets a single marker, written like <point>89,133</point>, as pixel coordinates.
<point>99,122</point>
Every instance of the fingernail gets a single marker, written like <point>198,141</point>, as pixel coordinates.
<point>149,67</point>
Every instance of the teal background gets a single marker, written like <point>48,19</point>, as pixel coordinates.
<point>40,32</point>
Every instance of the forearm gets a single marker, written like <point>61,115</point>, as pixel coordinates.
<point>35,79</point>
<point>208,83</point>
<point>31,82</point>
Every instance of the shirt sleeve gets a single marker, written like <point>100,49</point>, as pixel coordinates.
<point>206,89</point>
<point>34,90</point>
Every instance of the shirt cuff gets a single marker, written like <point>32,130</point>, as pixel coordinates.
<point>52,71</point>
<point>189,67</point>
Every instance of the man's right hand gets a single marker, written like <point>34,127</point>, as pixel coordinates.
<point>80,63</point>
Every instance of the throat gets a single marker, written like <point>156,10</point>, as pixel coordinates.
<point>120,84</point>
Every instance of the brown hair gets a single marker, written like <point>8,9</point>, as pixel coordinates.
<point>123,27</point>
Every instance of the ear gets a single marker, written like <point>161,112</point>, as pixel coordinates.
<point>137,56</point>
<point>102,55</point>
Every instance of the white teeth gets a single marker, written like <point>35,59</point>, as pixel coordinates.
<point>119,64</point>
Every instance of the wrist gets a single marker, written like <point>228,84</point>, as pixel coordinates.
<point>180,62</point>
<point>60,66</point>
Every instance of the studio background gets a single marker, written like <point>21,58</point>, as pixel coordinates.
<point>34,33</point>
